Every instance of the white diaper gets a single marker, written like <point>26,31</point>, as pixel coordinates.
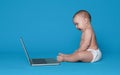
<point>96,54</point>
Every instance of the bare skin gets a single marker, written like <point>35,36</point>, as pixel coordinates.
<point>88,41</point>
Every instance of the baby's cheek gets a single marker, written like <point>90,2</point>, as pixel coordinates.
<point>79,26</point>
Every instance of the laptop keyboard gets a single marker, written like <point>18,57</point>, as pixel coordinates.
<point>39,61</point>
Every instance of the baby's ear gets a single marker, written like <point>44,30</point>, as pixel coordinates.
<point>86,20</point>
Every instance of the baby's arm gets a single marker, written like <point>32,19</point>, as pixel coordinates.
<point>85,40</point>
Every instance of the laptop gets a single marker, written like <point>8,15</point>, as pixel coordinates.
<point>38,61</point>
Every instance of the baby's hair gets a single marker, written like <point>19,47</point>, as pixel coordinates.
<point>83,13</point>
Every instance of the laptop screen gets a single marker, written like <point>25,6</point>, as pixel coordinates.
<point>23,45</point>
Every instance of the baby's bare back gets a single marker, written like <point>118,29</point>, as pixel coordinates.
<point>93,42</point>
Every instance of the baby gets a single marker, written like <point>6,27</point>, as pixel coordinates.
<point>88,50</point>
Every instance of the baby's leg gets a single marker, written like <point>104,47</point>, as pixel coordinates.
<point>84,56</point>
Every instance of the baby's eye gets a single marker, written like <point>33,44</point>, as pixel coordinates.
<point>76,23</point>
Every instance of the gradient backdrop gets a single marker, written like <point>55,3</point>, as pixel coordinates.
<point>47,28</point>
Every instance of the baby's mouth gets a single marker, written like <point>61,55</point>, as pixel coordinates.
<point>78,28</point>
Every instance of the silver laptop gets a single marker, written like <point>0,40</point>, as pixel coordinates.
<point>38,61</point>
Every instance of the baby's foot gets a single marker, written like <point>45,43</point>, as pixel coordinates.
<point>59,58</point>
<point>61,54</point>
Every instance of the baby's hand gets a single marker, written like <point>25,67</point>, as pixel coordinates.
<point>59,58</point>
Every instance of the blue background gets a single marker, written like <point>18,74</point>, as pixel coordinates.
<point>47,28</point>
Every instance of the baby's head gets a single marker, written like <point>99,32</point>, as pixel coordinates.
<point>82,19</point>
